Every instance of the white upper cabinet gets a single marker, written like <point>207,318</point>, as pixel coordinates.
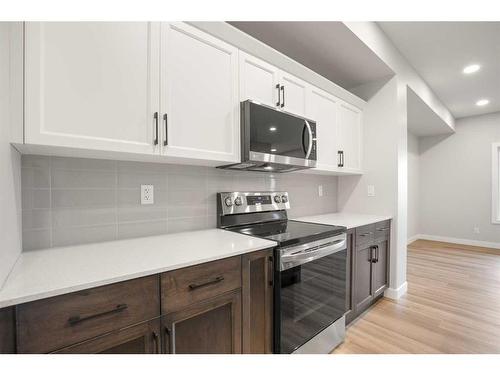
<point>92,85</point>
<point>322,107</point>
<point>350,137</point>
<point>293,94</point>
<point>266,84</point>
<point>258,80</point>
<point>199,95</point>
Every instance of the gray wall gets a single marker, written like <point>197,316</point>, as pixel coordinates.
<point>10,163</point>
<point>413,186</point>
<point>455,175</point>
<point>69,201</point>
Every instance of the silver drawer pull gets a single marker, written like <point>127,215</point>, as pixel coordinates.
<point>382,229</point>
<point>365,234</point>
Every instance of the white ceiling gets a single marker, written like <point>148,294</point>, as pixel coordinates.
<point>328,48</point>
<point>440,50</point>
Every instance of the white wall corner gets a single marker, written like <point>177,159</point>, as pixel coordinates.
<point>397,293</point>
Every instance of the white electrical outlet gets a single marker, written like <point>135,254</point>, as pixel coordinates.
<point>320,190</point>
<point>371,190</point>
<point>476,230</point>
<point>147,194</point>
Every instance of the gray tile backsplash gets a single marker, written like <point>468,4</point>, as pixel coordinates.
<point>69,201</point>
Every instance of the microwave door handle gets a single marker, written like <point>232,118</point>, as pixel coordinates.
<point>304,147</point>
<point>309,130</point>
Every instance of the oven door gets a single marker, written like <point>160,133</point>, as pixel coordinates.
<point>277,137</point>
<point>311,291</point>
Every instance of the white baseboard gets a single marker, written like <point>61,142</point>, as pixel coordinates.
<point>413,238</point>
<point>459,241</point>
<point>398,292</point>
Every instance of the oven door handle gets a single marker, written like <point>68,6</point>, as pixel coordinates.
<point>305,256</point>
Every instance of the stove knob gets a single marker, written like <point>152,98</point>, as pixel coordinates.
<point>284,198</point>
<point>277,199</point>
<point>228,202</point>
<point>238,201</point>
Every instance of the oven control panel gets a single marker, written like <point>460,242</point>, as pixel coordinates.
<point>230,203</point>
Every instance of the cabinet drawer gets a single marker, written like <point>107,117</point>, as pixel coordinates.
<point>183,287</point>
<point>365,234</point>
<point>53,323</point>
<point>382,229</point>
<point>143,338</point>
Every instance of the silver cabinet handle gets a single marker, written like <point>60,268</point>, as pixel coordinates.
<point>156,338</point>
<point>366,234</point>
<point>171,339</point>
<point>279,95</point>
<point>155,116</point>
<point>383,229</point>
<point>165,118</point>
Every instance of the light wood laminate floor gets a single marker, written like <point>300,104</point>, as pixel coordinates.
<point>452,305</point>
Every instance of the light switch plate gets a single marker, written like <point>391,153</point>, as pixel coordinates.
<point>320,190</point>
<point>147,194</point>
<point>371,190</point>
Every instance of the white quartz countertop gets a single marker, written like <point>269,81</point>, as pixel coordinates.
<point>51,272</point>
<point>345,219</point>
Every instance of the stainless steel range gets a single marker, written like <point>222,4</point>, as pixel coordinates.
<point>310,269</point>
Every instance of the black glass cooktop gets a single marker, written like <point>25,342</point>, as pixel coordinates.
<point>289,232</point>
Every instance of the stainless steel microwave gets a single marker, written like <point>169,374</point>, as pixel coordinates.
<point>274,140</point>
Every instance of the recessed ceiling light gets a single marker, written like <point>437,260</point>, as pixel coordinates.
<point>469,69</point>
<point>272,128</point>
<point>273,150</point>
<point>482,102</point>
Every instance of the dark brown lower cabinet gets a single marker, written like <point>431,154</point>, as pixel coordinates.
<point>380,267</point>
<point>142,338</point>
<point>363,288</point>
<point>257,296</point>
<point>7,331</point>
<point>370,266</point>
<point>208,327</point>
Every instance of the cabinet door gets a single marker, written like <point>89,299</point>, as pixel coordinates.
<point>257,296</point>
<point>92,85</point>
<point>139,339</point>
<point>363,277</point>
<point>208,327</point>
<point>350,136</point>
<point>7,331</point>
<point>293,94</point>
<point>199,90</point>
<point>258,80</point>
<point>380,267</point>
<point>323,108</point>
